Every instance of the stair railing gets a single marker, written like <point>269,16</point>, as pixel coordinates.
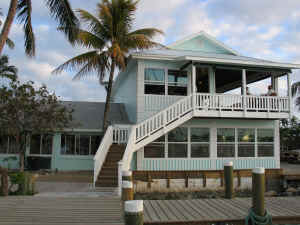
<point>102,151</point>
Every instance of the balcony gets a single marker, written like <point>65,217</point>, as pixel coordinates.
<point>224,105</point>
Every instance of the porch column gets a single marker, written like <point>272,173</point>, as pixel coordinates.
<point>289,94</point>
<point>193,78</point>
<point>212,80</point>
<point>244,92</point>
<point>274,83</point>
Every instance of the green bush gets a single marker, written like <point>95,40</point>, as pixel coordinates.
<point>24,181</point>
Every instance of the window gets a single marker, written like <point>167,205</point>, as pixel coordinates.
<point>156,149</point>
<point>178,143</point>
<point>225,142</point>
<point>4,144</point>
<point>177,82</point>
<point>199,142</point>
<point>8,145</point>
<point>265,142</point>
<point>79,144</point>
<point>246,142</point>
<point>41,144</point>
<point>154,81</point>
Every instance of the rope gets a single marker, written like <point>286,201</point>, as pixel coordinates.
<point>258,220</point>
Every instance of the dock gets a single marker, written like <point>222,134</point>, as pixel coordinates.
<point>284,210</point>
<point>106,210</point>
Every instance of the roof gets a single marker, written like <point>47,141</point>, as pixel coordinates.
<point>209,38</point>
<point>89,115</point>
<point>205,57</point>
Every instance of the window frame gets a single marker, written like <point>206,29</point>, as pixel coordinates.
<point>166,82</point>
<point>41,146</point>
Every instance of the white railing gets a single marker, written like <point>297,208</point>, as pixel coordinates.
<point>102,151</point>
<point>159,102</point>
<point>239,102</point>
<point>121,133</point>
<point>161,119</point>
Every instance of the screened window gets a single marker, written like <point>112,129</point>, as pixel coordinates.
<point>225,142</point>
<point>154,81</point>
<point>178,142</point>
<point>246,135</point>
<point>4,144</point>
<point>79,144</point>
<point>156,149</point>
<point>199,142</point>
<point>265,142</point>
<point>177,82</point>
<point>246,142</point>
<point>41,144</point>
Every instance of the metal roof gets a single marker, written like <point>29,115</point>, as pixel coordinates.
<point>171,54</point>
<point>89,115</point>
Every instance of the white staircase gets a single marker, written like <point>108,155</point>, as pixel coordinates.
<point>145,132</point>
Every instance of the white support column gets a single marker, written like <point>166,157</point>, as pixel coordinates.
<point>193,78</point>
<point>213,142</point>
<point>212,80</point>
<point>244,85</point>
<point>290,94</point>
<point>277,143</point>
<point>139,159</point>
<point>274,83</point>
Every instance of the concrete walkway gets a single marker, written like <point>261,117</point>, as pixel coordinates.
<point>83,210</point>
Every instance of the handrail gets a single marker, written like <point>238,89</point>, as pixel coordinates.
<point>102,151</point>
<point>120,133</point>
<point>129,149</point>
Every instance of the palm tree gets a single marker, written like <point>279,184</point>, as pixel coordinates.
<point>7,71</point>
<point>109,38</point>
<point>8,41</point>
<point>296,93</point>
<point>59,9</point>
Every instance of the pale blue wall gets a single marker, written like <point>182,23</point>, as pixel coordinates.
<point>201,43</point>
<point>67,162</point>
<point>205,164</point>
<point>127,92</point>
<point>13,164</point>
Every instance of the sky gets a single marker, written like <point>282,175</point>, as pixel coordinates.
<point>267,29</point>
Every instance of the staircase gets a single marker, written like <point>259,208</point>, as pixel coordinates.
<point>108,176</point>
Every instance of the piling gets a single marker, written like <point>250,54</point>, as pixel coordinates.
<point>127,175</point>
<point>134,214</point>
<point>258,191</point>
<point>228,177</point>
<point>127,191</point>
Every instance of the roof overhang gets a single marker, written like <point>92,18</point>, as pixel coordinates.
<point>221,61</point>
<point>239,62</point>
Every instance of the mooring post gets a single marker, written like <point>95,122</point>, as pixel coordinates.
<point>258,191</point>
<point>127,190</point>
<point>127,176</point>
<point>134,214</point>
<point>228,175</point>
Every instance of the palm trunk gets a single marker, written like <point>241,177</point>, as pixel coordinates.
<point>108,96</point>
<point>4,181</point>
<point>8,23</point>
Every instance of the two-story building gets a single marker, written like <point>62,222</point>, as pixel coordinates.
<point>172,112</point>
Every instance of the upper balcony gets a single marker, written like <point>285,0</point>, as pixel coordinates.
<point>211,89</point>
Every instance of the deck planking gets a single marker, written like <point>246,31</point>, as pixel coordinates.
<point>204,211</point>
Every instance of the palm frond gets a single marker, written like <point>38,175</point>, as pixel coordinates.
<point>147,32</point>
<point>76,62</point>
<point>62,12</point>
<point>93,66</point>
<point>295,88</point>
<point>24,16</point>
<point>10,43</point>
<point>93,24</point>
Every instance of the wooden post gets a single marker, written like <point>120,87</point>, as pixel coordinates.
<point>134,214</point>
<point>258,191</point>
<point>127,176</point>
<point>228,174</point>
<point>127,191</point>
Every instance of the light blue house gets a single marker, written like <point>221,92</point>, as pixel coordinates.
<point>173,113</point>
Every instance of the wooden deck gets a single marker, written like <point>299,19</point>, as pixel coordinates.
<point>207,211</point>
<point>60,211</point>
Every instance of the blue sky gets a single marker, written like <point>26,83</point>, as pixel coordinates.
<point>265,29</point>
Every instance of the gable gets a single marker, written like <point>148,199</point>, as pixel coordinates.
<point>202,42</point>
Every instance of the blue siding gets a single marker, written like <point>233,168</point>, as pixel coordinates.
<point>127,93</point>
<point>12,164</point>
<point>205,164</point>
